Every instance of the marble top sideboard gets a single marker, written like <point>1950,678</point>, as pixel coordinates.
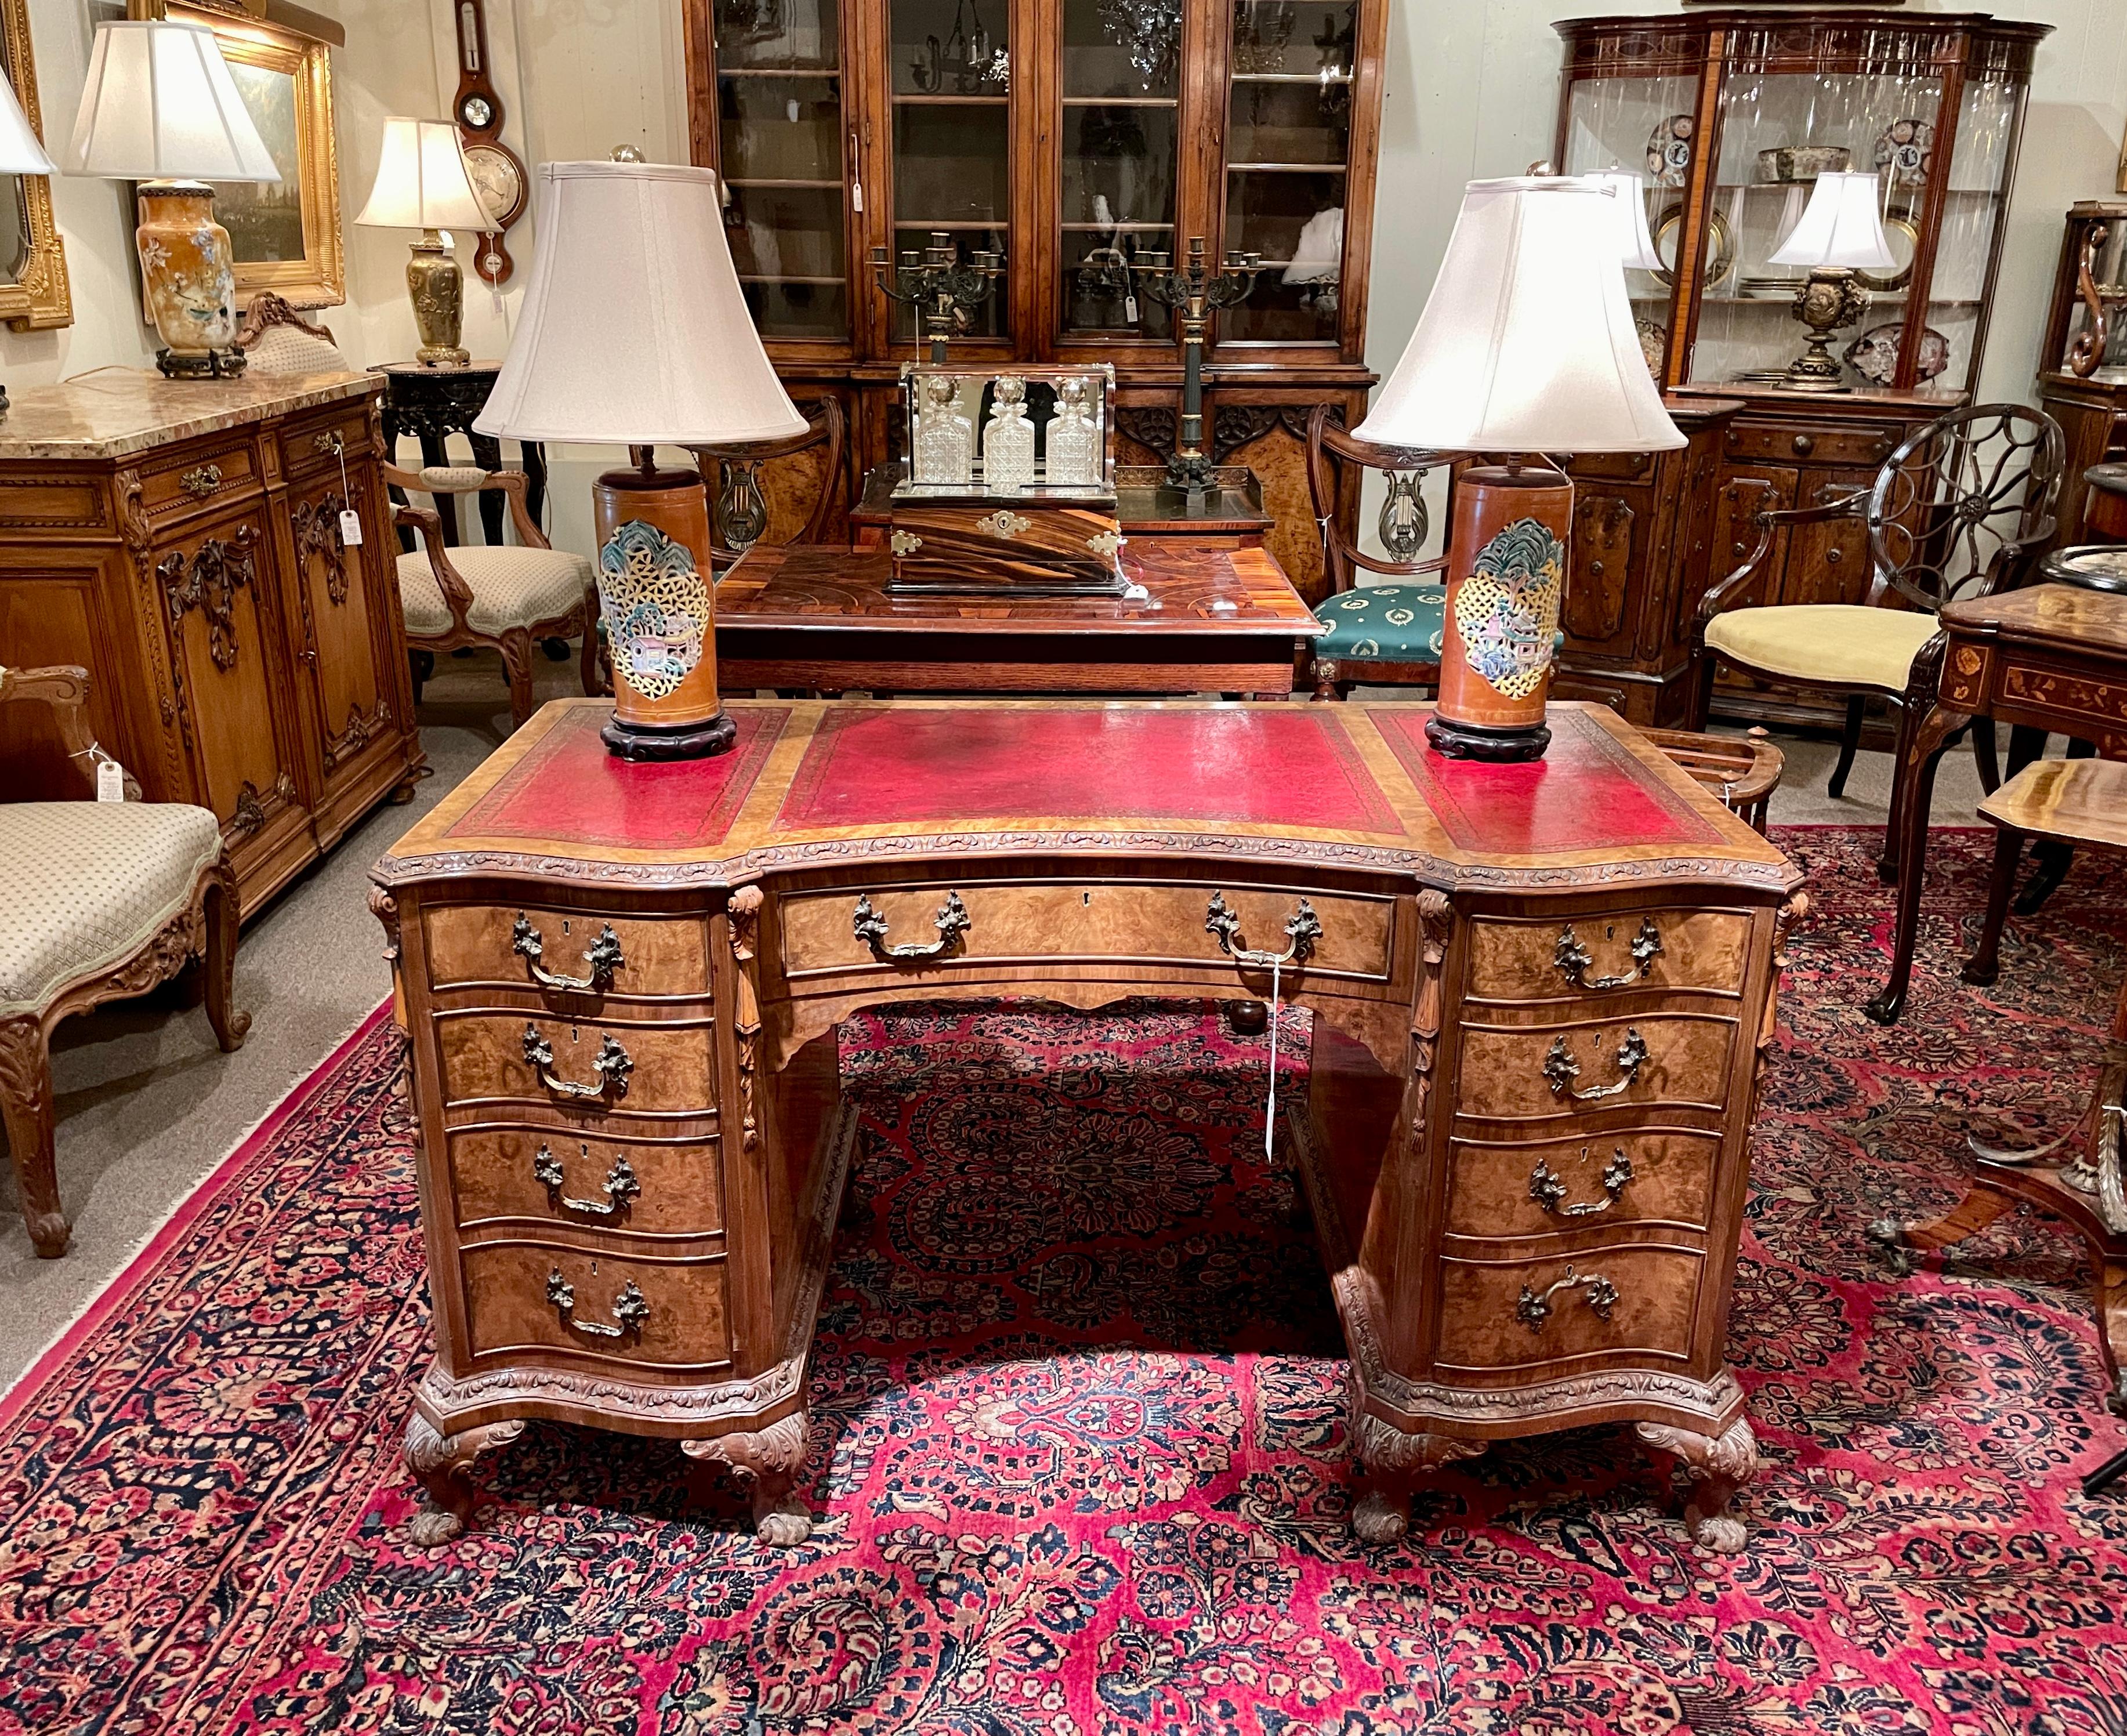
<point>114,411</point>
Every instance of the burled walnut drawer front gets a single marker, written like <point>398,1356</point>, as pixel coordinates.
<point>558,1176</point>
<point>1539,1188</point>
<point>1667,1059</point>
<point>1611,954</point>
<point>585,1064</point>
<point>1865,447</point>
<point>203,480</point>
<point>523,1295</point>
<point>581,952</point>
<point>1632,1300</point>
<point>1110,920</point>
<point>319,443</point>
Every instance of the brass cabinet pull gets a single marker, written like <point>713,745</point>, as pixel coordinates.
<point>621,1186</point>
<point>202,480</point>
<point>613,1066</point>
<point>629,1308</point>
<point>1548,1189</point>
<point>1561,1069</point>
<point>1534,1307</point>
<point>1573,959</point>
<point>1302,929</point>
<point>603,956</point>
<point>952,922</point>
<point>328,441</point>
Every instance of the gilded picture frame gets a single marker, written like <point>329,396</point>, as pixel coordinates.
<point>39,298</point>
<point>285,239</point>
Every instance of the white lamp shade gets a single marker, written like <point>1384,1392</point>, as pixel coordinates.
<point>1636,245</point>
<point>1842,225</point>
<point>633,330</point>
<point>159,105</point>
<point>1526,343</point>
<point>21,152</point>
<point>421,180</point>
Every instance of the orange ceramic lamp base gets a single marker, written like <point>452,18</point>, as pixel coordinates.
<point>190,284</point>
<point>1509,535</point>
<point>659,613</point>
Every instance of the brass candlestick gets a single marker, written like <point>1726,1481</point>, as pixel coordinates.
<point>937,285</point>
<point>1194,293</point>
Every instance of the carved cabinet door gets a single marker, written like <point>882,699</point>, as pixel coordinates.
<point>214,586</point>
<point>1606,574</point>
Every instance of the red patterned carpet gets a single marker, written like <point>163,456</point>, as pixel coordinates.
<point>1080,1446</point>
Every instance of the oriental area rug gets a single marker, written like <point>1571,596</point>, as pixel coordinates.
<point>1079,1446</point>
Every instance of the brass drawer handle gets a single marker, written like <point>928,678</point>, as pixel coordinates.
<point>952,922</point>
<point>200,482</point>
<point>621,1186</point>
<point>1573,959</point>
<point>1302,929</point>
<point>629,1308</point>
<point>328,441</point>
<point>613,1066</point>
<point>603,956</point>
<point>1547,1187</point>
<point>1534,1308</point>
<point>1561,1069</point>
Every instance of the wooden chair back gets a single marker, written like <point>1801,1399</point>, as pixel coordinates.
<point>1402,521</point>
<point>1965,504</point>
<point>738,509</point>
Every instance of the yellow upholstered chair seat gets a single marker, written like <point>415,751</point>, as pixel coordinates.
<point>1843,643</point>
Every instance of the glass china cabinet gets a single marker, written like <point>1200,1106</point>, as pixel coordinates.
<point>1086,142</point>
<point>2082,355</point>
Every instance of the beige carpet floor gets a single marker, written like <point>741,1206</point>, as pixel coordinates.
<point>148,1105</point>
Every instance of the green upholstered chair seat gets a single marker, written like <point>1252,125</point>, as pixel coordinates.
<point>1391,624</point>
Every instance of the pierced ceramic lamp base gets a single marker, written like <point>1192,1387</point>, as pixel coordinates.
<point>190,283</point>
<point>1502,613</point>
<point>659,613</point>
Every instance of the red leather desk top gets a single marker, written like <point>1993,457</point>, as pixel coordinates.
<point>1350,783</point>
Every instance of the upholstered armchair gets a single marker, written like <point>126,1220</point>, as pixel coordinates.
<point>1961,509</point>
<point>277,339</point>
<point>507,598</point>
<point>105,900</point>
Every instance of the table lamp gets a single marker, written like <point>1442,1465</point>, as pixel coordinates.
<point>634,332</point>
<point>1840,228</point>
<point>1635,243</point>
<point>1526,346</point>
<point>160,108</point>
<point>421,183</point>
<point>21,153</point>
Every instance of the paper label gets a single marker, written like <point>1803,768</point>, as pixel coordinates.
<point>350,528</point>
<point>110,781</point>
<point>1129,308</point>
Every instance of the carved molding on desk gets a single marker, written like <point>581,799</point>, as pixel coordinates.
<point>736,1400</point>
<point>744,911</point>
<point>316,526</point>
<point>1436,919</point>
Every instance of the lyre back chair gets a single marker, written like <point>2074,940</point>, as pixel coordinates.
<point>1960,510</point>
<point>739,510</point>
<point>1384,635</point>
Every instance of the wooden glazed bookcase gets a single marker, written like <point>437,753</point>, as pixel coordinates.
<point>1074,136</point>
<point>2091,407</point>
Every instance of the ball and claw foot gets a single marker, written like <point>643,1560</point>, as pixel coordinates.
<point>1380,1517</point>
<point>433,1526</point>
<point>783,1523</point>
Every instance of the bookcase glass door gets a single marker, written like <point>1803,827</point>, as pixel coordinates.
<point>1288,152</point>
<point>950,84</point>
<point>1121,90</point>
<point>780,125</point>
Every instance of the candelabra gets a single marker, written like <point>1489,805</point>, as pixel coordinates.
<point>1194,294</point>
<point>936,285</point>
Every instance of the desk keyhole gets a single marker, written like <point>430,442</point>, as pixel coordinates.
<point>1086,898</point>
<point>565,924</point>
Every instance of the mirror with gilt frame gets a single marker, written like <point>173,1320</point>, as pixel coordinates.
<point>34,295</point>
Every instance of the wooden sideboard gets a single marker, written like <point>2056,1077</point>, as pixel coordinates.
<point>181,540</point>
<point>1543,1000</point>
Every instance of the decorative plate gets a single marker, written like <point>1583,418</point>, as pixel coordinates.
<point>1507,609</point>
<point>1669,151</point>
<point>1654,345</point>
<point>656,606</point>
<point>1907,149</point>
<point>1874,354</point>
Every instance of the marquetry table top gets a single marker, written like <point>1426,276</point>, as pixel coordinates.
<point>113,411</point>
<point>1352,786</point>
<point>2065,616</point>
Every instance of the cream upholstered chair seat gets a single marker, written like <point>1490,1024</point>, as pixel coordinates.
<point>512,588</point>
<point>1848,644</point>
<point>89,884</point>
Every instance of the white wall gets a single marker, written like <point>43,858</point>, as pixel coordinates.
<point>1471,90</point>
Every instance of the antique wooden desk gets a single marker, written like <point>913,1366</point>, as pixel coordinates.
<point>819,619</point>
<point>1542,995</point>
<point>2051,658</point>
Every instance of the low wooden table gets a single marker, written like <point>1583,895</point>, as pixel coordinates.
<point>2051,659</point>
<point>819,619</point>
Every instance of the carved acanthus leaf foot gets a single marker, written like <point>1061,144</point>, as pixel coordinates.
<point>1718,1465</point>
<point>440,1462</point>
<point>1392,1458</point>
<point>772,1458</point>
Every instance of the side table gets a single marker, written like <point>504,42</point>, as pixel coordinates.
<point>433,403</point>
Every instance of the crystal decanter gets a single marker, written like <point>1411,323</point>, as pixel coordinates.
<point>945,438</point>
<point>1008,441</point>
<point>1073,441</point>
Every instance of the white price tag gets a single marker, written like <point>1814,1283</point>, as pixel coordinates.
<point>350,528</point>
<point>856,197</point>
<point>1129,310</point>
<point>110,781</point>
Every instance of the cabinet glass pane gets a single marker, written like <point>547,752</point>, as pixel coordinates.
<point>779,109</point>
<point>1643,124</point>
<point>1121,66</point>
<point>1857,121</point>
<point>951,88</point>
<point>1973,211</point>
<point>1288,138</point>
